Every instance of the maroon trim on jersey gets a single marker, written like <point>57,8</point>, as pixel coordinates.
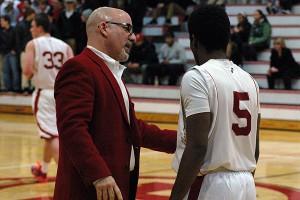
<point>195,189</point>
<point>36,101</point>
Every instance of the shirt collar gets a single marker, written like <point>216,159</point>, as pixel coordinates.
<point>115,67</point>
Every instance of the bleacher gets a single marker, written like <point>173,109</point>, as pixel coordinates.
<point>280,108</point>
<point>276,104</point>
<point>286,26</point>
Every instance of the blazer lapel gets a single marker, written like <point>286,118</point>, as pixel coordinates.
<point>110,77</point>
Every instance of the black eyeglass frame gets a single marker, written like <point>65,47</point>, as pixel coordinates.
<point>128,27</point>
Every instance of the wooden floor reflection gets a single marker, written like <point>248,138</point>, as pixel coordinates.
<point>277,176</point>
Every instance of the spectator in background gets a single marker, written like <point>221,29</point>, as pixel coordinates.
<point>241,32</point>
<point>8,8</point>
<point>1,58</point>
<point>68,22</point>
<point>23,35</point>
<point>172,62</point>
<point>286,6</point>
<point>92,4</point>
<point>57,8</point>
<point>282,65</point>
<point>22,9</point>
<point>273,6</point>
<point>83,37</point>
<point>42,7</point>
<point>279,7</point>
<point>260,36</point>
<point>141,55</point>
<point>54,29</point>
<point>117,4</point>
<point>137,9</point>
<point>11,70</point>
<point>172,7</point>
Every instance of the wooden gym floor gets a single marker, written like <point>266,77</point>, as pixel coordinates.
<point>277,176</point>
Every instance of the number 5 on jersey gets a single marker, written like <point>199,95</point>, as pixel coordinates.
<point>241,96</point>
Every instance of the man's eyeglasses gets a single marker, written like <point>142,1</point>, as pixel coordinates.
<point>128,27</point>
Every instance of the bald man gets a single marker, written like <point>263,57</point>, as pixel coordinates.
<point>100,136</point>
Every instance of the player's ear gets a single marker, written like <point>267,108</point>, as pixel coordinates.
<point>193,41</point>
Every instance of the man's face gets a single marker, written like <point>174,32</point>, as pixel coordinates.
<point>3,23</point>
<point>240,18</point>
<point>122,37</point>
<point>169,40</point>
<point>34,30</point>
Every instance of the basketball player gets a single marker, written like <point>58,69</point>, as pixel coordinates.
<point>44,56</point>
<point>217,142</point>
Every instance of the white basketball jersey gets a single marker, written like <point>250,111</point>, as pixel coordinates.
<point>233,101</point>
<point>50,54</point>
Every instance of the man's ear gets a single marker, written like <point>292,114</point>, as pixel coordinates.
<point>193,40</point>
<point>102,28</point>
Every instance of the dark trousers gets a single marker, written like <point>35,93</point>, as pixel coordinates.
<point>250,50</point>
<point>285,75</point>
<point>173,71</point>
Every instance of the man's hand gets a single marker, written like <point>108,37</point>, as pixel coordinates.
<point>107,189</point>
<point>133,65</point>
<point>165,62</point>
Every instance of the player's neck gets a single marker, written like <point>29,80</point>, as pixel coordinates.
<point>213,55</point>
<point>44,34</point>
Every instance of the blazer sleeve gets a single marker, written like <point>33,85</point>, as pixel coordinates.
<point>74,95</point>
<point>156,139</point>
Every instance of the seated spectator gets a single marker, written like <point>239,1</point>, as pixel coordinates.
<point>172,7</point>
<point>286,6</point>
<point>137,10</point>
<point>273,6</point>
<point>233,53</point>
<point>279,6</point>
<point>260,36</point>
<point>282,65</point>
<point>241,31</point>
<point>141,55</point>
<point>172,62</point>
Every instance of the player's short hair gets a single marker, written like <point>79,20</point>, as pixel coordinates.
<point>210,26</point>
<point>43,21</point>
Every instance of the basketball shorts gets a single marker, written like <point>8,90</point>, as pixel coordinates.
<point>226,186</point>
<point>43,105</point>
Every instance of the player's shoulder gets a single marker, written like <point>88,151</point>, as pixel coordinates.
<point>58,40</point>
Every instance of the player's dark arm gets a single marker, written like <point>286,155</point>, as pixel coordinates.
<point>257,141</point>
<point>197,129</point>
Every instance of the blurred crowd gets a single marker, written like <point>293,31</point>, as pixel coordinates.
<point>147,64</point>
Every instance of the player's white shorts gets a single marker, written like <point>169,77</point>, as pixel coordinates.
<point>226,186</point>
<point>43,105</point>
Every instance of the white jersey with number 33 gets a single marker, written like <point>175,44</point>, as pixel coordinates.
<point>231,95</point>
<point>50,54</point>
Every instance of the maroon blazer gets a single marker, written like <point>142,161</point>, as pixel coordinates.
<point>95,136</point>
